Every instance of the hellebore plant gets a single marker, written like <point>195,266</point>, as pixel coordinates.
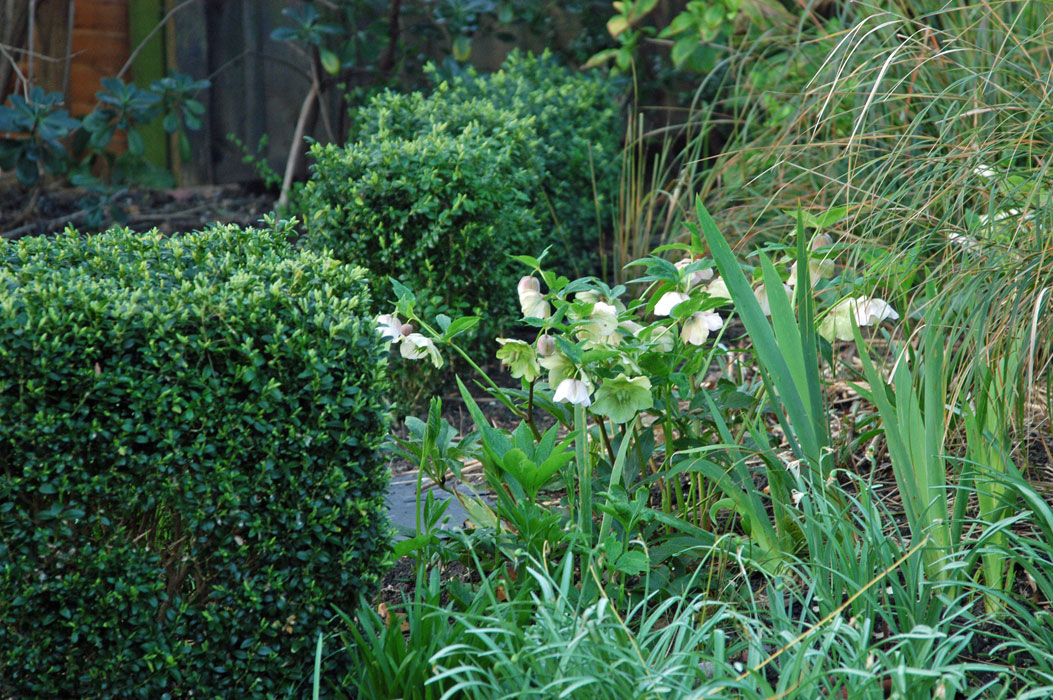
<point>856,311</point>
<point>618,373</point>
<point>585,365</point>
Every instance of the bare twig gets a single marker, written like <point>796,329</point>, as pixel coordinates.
<point>50,225</point>
<point>31,39</point>
<point>259,54</point>
<point>27,52</point>
<point>18,71</point>
<point>316,75</point>
<point>294,150</point>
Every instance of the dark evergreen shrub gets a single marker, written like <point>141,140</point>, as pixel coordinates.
<point>561,123</point>
<point>576,119</point>
<point>188,469</point>
<point>439,212</point>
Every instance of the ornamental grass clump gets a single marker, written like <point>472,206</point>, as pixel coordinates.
<point>188,470</point>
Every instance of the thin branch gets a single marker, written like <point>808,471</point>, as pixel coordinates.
<point>251,52</point>
<point>27,52</point>
<point>18,71</point>
<point>31,39</point>
<point>297,145</point>
<point>316,77</point>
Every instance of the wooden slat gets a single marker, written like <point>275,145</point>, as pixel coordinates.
<point>103,14</point>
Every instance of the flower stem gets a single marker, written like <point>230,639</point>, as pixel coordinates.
<point>530,412</point>
<point>498,391</point>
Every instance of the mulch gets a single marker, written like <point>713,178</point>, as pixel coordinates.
<point>25,213</point>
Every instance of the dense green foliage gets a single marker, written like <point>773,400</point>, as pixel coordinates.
<point>188,477</point>
<point>440,213</point>
<point>576,118</point>
<point>565,127</point>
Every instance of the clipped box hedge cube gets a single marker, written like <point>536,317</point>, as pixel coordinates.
<point>188,469</point>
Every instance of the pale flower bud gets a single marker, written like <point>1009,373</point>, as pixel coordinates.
<point>546,346</point>
<point>407,328</point>
<point>528,283</point>
<point>573,391</point>
<point>823,240</point>
<point>531,301</point>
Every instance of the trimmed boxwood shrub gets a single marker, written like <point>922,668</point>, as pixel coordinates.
<point>439,212</point>
<point>406,116</point>
<point>188,469</point>
<point>576,119</point>
<point>574,142</point>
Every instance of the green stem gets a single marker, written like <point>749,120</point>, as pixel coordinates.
<point>530,413</point>
<point>606,440</point>
<point>499,392</point>
<point>617,469</point>
<point>584,473</point>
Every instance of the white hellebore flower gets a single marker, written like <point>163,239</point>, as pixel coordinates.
<point>862,310</point>
<point>591,296</point>
<point>531,301</point>
<point>697,276</point>
<point>985,171</point>
<point>573,391</point>
<point>390,327</point>
<point>718,290</point>
<point>416,346</point>
<point>631,327</point>
<point>601,323</point>
<point>761,294</point>
<point>967,243</point>
<point>668,302</point>
<point>661,337</point>
<point>698,327</point>
<point>999,216</point>
<point>819,266</point>
<point>871,312</point>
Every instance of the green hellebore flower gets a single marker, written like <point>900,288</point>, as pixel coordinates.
<point>519,357</point>
<point>559,367</point>
<point>622,398</point>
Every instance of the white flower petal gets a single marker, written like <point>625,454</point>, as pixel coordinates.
<point>696,329</point>
<point>533,304</point>
<point>984,171</point>
<point>389,326</point>
<point>668,302</point>
<point>416,346</point>
<point>606,318</point>
<point>718,290</point>
<point>573,391</point>
<point>871,312</point>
